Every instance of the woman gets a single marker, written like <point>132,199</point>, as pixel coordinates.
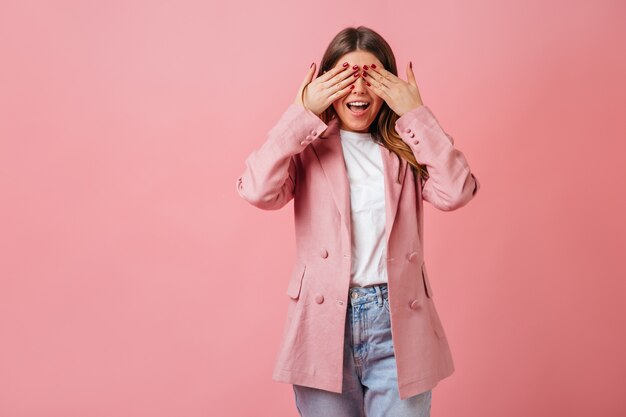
<point>362,335</point>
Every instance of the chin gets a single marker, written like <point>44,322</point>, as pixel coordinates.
<point>362,125</point>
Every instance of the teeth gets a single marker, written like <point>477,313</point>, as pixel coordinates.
<point>358,103</point>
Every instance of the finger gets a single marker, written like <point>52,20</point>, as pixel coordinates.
<point>381,75</point>
<point>380,92</point>
<point>335,82</point>
<point>345,83</point>
<point>305,82</point>
<point>308,77</point>
<point>410,76</point>
<point>311,74</point>
<point>343,92</point>
<point>375,79</point>
<point>337,69</point>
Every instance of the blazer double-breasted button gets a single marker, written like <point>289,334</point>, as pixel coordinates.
<point>323,253</point>
<point>415,304</point>
<point>319,298</point>
<point>413,257</point>
<point>308,139</point>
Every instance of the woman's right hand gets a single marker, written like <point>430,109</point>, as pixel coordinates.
<point>317,95</point>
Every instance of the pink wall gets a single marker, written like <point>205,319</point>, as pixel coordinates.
<point>135,282</point>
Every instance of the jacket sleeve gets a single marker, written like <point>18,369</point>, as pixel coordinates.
<point>269,178</point>
<point>450,183</point>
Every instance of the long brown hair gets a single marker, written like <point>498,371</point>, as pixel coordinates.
<point>383,127</point>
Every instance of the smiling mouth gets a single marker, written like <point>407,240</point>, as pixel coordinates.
<point>358,109</point>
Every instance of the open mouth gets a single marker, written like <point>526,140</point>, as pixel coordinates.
<point>358,108</point>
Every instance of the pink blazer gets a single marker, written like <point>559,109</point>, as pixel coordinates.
<point>302,158</point>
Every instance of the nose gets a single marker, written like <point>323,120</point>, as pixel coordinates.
<point>359,84</point>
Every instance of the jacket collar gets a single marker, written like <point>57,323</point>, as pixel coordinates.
<point>330,155</point>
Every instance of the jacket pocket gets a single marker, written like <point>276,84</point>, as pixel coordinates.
<point>295,282</point>
<point>429,291</point>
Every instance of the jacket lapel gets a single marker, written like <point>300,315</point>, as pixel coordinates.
<point>393,185</point>
<point>330,155</point>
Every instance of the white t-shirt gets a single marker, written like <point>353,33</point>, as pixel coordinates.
<point>367,201</point>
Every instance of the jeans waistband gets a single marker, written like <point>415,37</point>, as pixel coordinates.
<point>363,295</point>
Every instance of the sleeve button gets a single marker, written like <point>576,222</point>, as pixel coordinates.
<point>412,135</point>
<point>408,130</point>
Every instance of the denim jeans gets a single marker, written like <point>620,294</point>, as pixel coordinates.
<point>370,384</point>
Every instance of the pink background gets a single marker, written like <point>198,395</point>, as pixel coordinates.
<point>135,282</point>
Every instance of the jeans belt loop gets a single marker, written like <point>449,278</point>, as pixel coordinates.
<point>379,295</point>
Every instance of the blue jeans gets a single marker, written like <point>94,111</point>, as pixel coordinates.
<point>370,384</point>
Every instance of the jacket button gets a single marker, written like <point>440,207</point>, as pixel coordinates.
<point>324,253</point>
<point>413,257</point>
<point>304,142</point>
<point>412,135</point>
<point>309,137</point>
<point>416,141</point>
<point>313,132</point>
<point>408,130</point>
<point>415,304</point>
<point>319,298</point>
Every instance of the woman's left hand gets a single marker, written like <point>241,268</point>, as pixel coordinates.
<point>400,96</point>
